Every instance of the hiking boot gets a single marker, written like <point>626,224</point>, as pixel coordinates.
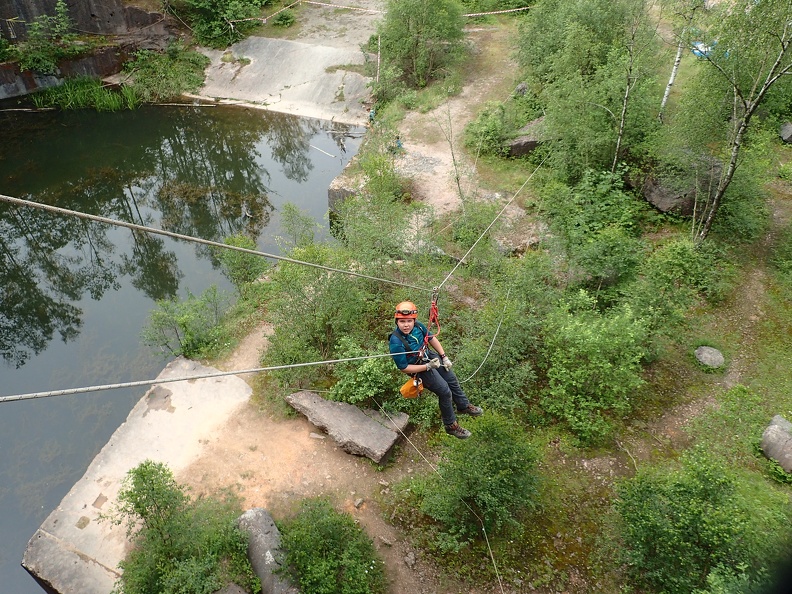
<point>472,410</point>
<point>457,431</point>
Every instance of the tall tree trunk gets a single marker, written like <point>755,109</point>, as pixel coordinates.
<point>674,70</point>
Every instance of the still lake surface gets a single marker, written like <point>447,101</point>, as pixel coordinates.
<point>74,295</point>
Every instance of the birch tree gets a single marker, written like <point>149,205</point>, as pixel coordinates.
<point>685,13</point>
<point>752,55</point>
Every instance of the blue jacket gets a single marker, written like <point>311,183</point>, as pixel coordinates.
<point>415,339</point>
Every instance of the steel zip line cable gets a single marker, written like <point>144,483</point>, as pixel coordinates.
<point>497,216</point>
<point>96,218</point>
<point>135,384</point>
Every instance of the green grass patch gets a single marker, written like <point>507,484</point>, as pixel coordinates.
<point>86,93</point>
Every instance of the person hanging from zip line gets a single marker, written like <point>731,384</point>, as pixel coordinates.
<point>433,368</point>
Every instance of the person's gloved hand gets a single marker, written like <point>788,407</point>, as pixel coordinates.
<point>447,363</point>
<point>433,364</point>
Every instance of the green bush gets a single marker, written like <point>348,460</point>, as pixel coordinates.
<point>48,41</point>
<point>362,381</point>
<point>312,310</point>
<point>328,553</point>
<point>284,19</point>
<point>489,479</point>
<point>217,23</point>
<point>157,76</point>
<point>682,528</point>
<point>420,38</point>
<point>190,328</point>
<point>674,276</point>
<point>238,267</point>
<point>5,50</point>
<point>595,204</point>
<point>593,363</point>
<point>179,546</point>
<point>493,5</point>
<point>487,133</point>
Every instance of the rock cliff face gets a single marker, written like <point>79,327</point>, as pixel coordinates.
<point>132,28</point>
<point>107,17</point>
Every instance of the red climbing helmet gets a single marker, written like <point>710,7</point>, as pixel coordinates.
<point>407,309</point>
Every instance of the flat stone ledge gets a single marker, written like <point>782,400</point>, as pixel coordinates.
<point>360,433</point>
<point>73,551</point>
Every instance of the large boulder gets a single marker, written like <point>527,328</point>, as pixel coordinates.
<point>709,357</point>
<point>529,138</point>
<point>264,550</point>
<point>786,132</point>
<point>360,433</point>
<point>677,189</point>
<point>777,442</point>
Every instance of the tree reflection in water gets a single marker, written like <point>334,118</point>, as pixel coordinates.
<point>194,171</point>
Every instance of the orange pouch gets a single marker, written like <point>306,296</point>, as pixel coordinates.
<point>412,388</point>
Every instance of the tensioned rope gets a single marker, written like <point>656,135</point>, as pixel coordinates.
<point>497,216</point>
<point>489,350</point>
<point>135,226</point>
<point>155,381</point>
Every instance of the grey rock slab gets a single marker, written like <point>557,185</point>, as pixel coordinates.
<point>709,356</point>
<point>355,432</point>
<point>777,442</point>
<point>264,550</point>
<point>291,77</point>
<point>786,132</point>
<point>73,551</point>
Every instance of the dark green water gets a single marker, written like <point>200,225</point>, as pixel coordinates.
<point>74,295</point>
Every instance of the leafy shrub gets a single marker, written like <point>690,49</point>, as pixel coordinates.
<point>298,228</point>
<point>785,172</point>
<point>493,5</point>
<point>596,203</point>
<point>489,479</point>
<point>218,24</point>
<point>179,546</point>
<point>48,40</point>
<point>360,381</point>
<point>313,310</point>
<point>328,553</point>
<point>486,134</point>
<point>5,50</point>
<point>190,328</point>
<point>593,365</point>
<point>673,277</point>
<point>504,365</point>
<point>238,267</point>
<point>156,76</point>
<point>421,37</point>
<point>284,19</point>
<point>679,527</point>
